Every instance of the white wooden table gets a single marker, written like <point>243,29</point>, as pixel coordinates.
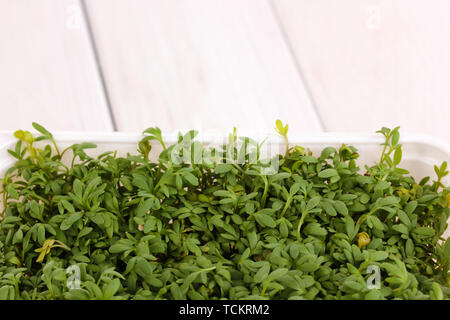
<point>322,65</point>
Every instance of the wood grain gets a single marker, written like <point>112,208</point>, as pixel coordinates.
<point>198,64</point>
<point>371,63</point>
<point>47,69</point>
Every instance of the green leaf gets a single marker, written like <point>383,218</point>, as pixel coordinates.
<point>70,220</point>
<point>7,293</point>
<point>409,248</point>
<point>329,208</point>
<point>312,203</point>
<point>328,173</point>
<point>223,168</point>
<point>436,292</point>
<point>379,255</point>
<point>397,156</point>
<point>443,168</point>
<point>262,273</point>
<point>424,231</point>
<point>12,191</point>
<point>410,207</point>
<point>252,239</point>
<point>309,159</point>
<point>315,230</point>
<point>265,220</point>
<point>121,246</point>
<point>190,178</point>
<point>279,125</point>
<point>446,247</point>
<point>294,188</point>
<point>349,226</point>
<point>18,236</point>
<point>78,188</point>
<point>35,210</point>
<point>85,231</point>
<point>404,218</point>
<point>341,207</point>
<point>77,294</point>
<point>387,201</point>
<point>274,275</point>
<point>176,292</point>
<point>41,234</point>
<point>327,152</point>
<point>395,136</point>
<point>67,205</point>
<point>110,289</point>
<point>401,228</point>
<point>376,222</point>
<point>42,130</point>
<point>144,207</point>
<point>309,267</point>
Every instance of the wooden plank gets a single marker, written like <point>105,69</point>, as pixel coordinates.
<point>202,64</point>
<point>373,63</point>
<point>48,72</point>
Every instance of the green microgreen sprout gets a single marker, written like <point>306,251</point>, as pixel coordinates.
<point>391,144</point>
<point>283,130</point>
<point>153,133</point>
<point>441,172</point>
<point>48,245</point>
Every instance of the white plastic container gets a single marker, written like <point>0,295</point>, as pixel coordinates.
<point>420,152</point>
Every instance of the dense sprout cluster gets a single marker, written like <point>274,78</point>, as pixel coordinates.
<point>130,228</point>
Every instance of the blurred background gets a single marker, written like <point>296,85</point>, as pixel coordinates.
<point>319,65</point>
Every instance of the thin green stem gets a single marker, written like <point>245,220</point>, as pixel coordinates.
<point>163,145</point>
<point>64,151</point>
<point>287,145</point>
<point>209,269</point>
<point>263,291</point>
<point>300,223</point>
<point>286,206</point>
<point>5,199</point>
<point>266,189</point>
<point>56,148</point>
<point>386,143</point>
<point>438,183</point>
<point>383,153</point>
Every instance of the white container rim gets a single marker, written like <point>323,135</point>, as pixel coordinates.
<point>7,136</point>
